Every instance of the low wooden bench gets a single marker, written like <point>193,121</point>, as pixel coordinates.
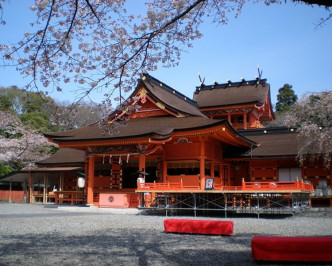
<point>268,248</point>
<point>40,197</point>
<point>207,227</point>
<point>68,196</point>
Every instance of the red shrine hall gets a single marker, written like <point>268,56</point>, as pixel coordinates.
<point>164,150</point>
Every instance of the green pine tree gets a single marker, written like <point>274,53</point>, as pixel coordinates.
<point>286,98</point>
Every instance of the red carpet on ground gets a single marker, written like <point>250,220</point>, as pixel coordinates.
<point>267,248</point>
<point>207,227</point>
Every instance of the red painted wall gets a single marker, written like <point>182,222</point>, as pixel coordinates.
<point>17,196</point>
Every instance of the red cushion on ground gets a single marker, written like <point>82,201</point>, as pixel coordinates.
<point>292,248</point>
<point>199,226</point>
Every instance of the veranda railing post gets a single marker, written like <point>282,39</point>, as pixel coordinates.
<point>257,205</point>
<point>225,197</point>
<point>194,195</point>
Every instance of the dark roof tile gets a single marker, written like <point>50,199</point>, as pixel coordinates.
<point>171,97</point>
<point>160,127</point>
<point>64,156</point>
<point>232,93</point>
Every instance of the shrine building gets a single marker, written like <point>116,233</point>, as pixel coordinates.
<point>162,149</point>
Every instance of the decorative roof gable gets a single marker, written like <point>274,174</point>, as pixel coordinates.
<point>254,94</point>
<point>154,98</point>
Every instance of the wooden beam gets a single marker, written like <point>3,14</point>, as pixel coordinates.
<point>31,188</point>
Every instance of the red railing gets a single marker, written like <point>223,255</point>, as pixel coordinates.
<point>165,186</point>
<point>246,186</point>
<point>271,186</point>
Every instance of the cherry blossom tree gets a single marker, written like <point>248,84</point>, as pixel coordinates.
<point>96,44</point>
<point>67,116</point>
<point>19,145</point>
<point>312,115</point>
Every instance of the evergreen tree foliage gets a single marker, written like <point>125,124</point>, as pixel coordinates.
<point>286,98</point>
<point>5,103</point>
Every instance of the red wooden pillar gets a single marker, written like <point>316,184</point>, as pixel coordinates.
<point>141,163</point>
<point>91,177</point>
<point>251,171</point>
<point>212,169</point>
<point>86,172</point>
<point>164,174</point>
<point>202,165</point>
<point>202,172</point>
<point>245,120</point>
<point>229,174</point>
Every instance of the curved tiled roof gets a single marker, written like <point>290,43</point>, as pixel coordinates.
<point>187,117</point>
<point>158,127</point>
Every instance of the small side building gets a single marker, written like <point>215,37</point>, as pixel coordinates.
<point>59,171</point>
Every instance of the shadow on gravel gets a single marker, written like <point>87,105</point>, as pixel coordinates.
<point>45,215</point>
<point>134,247</point>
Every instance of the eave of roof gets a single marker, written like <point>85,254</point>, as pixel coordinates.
<point>23,174</point>
<point>51,169</point>
<point>156,127</point>
<point>152,129</point>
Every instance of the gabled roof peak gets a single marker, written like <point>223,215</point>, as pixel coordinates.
<point>155,82</point>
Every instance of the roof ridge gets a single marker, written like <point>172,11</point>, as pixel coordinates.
<point>229,83</point>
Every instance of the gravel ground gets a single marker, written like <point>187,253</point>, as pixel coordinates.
<point>39,235</point>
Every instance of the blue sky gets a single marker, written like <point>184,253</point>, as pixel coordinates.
<point>282,39</point>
